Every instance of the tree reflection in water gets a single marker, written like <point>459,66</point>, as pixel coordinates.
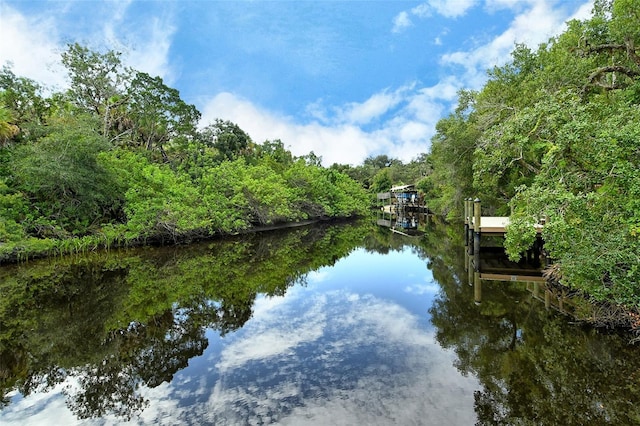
<point>114,322</point>
<point>535,366</point>
<point>107,325</point>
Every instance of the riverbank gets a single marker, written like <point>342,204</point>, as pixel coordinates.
<point>37,248</point>
<point>585,309</point>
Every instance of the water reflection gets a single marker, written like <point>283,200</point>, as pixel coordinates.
<point>315,354</point>
<point>348,324</point>
<point>403,221</point>
<point>301,335</point>
<point>534,365</point>
<point>107,324</point>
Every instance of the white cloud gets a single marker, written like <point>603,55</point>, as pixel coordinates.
<point>446,8</point>
<point>377,105</point>
<point>337,357</point>
<point>421,11</point>
<point>37,41</point>
<point>32,46</point>
<point>264,304</point>
<point>397,123</point>
<point>340,144</point>
<point>319,276</point>
<point>401,123</point>
<point>534,25</point>
<point>147,46</point>
<point>400,369</point>
<point>401,22</point>
<point>583,12</point>
<point>31,408</point>
<point>452,9</point>
<point>343,143</point>
<point>429,287</point>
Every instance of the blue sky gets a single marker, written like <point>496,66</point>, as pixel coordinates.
<point>344,79</point>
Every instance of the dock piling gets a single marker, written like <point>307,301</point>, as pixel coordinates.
<point>477,288</point>
<point>466,222</point>
<point>476,233</point>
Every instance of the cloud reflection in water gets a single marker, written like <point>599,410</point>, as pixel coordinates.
<point>345,349</point>
<point>332,358</point>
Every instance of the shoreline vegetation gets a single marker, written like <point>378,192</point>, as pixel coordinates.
<point>603,316</point>
<point>29,250</point>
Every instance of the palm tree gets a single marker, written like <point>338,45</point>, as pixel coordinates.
<point>7,129</point>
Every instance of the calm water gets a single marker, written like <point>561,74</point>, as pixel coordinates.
<point>335,325</point>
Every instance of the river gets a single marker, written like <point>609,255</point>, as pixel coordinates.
<point>347,324</point>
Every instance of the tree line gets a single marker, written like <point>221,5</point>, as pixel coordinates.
<point>118,159</point>
<point>555,135</point>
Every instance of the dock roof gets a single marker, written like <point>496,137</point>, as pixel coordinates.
<point>402,188</point>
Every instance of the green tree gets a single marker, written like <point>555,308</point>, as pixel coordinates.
<point>382,181</point>
<point>159,203</point>
<point>587,191</point>
<point>8,129</point>
<point>452,156</point>
<point>269,200</point>
<point>159,116</point>
<point>380,162</point>
<point>228,139</point>
<point>98,81</point>
<point>275,154</point>
<point>25,109</point>
<point>62,175</point>
<point>612,38</point>
<point>312,159</point>
<point>14,208</point>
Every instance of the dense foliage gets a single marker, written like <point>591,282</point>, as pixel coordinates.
<point>555,135</point>
<point>118,159</point>
<point>379,173</point>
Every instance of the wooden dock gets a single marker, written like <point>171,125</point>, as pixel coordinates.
<point>486,266</point>
<point>491,224</point>
<point>476,225</point>
<point>495,225</point>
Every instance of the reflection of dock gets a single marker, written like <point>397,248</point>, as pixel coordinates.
<point>533,280</point>
<point>385,222</point>
<point>403,223</point>
<point>402,211</point>
<point>491,263</point>
<point>494,265</point>
<point>558,302</point>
